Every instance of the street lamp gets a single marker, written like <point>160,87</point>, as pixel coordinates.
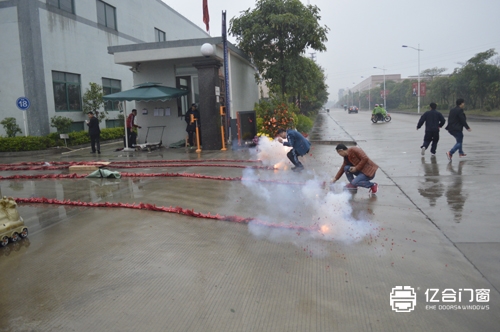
<point>418,95</point>
<point>385,104</point>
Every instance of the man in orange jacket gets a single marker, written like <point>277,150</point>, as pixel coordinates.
<point>358,168</point>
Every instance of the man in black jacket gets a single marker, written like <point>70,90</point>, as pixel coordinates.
<point>94,132</point>
<point>191,126</point>
<point>433,121</point>
<point>456,122</point>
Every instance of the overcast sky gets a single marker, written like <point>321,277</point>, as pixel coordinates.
<point>369,33</point>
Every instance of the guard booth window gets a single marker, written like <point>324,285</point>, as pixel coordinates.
<point>184,83</point>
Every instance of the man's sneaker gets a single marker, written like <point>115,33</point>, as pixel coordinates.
<point>374,188</point>
<point>462,155</point>
<point>433,154</point>
<point>423,150</point>
<point>298,168</point>
<point>350,187</point>
<point>448,154</point>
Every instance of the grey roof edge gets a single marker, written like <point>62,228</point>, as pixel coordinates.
<point>176,43</point>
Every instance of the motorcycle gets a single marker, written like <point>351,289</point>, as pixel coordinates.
<point>379,117</point>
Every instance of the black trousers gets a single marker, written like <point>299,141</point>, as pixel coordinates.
<point>431,137</point>
<point>95,140</point>
<point>294,157</point>
<point>191,137</point>
<point>132,137</point>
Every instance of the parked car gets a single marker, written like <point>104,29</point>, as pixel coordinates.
<point>353,109</point>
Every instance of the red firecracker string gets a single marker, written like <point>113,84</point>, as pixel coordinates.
<point>146,175</point>
<point>153,207</point>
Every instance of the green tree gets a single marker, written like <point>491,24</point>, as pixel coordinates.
<point>61,123</point>
<point>432,72</point>
<point>474,81</point>
<point>440,91</point>
<point>275,34</point>
<point>307,85</point>
<point>93,101</point>
<point>10,126</point>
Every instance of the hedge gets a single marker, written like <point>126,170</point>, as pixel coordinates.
<point>32,143</point>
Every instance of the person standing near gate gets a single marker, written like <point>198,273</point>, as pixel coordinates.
<point>191,126</point>
<point>94,133</point>
<point>456,123</point>
<point>132,128</point>
<point>433,122</point>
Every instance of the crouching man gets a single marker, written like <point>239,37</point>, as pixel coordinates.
<point>300,146</point>
<point>358,168</point>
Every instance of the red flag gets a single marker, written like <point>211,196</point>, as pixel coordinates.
<point>206,16</point>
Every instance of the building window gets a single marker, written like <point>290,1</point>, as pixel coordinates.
<point>67,91</point>
<point>110,86</point>
<point>114,123</point>
<point>77,126</point>
<point>66,5</point>
<point>106,15</point>
<point>160,35</point>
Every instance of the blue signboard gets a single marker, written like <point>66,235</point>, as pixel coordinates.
<point>23,103</point>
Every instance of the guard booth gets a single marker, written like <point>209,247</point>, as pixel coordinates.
<point>243,129</point>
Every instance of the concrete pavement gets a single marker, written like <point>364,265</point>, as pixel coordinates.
<point>432,227</point>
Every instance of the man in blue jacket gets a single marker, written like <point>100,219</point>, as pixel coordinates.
<point>456,123</point>
<point>300,146</point>
<point>433,122</point>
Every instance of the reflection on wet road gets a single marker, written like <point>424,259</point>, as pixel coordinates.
<point>454,191</point>
<point>431,186</point>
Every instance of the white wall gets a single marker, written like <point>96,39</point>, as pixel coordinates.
<point>11,72</point>
<point>244,88</point>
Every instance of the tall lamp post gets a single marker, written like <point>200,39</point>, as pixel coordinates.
<point>418,93</point>
<point>385,104</point>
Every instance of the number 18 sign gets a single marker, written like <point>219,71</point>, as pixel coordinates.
<point>23,103</point>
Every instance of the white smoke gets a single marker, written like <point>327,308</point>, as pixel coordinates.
<point>301,213</point>
<point>273,153</point>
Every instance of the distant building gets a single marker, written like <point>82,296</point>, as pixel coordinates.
<point>341,94</point>
<point>376,80</point>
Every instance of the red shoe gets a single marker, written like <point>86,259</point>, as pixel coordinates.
<point>462,155</point>
<point>350,187</point>
<point>374,188</point>
<point>448,154</point>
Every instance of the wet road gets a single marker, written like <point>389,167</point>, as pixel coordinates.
<point>431,227</point>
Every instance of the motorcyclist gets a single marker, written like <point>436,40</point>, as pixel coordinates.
<point>379,112</point>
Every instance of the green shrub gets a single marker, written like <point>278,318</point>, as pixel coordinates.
<point>30,143</point>
<point>33,143</point>
<point>275,113</point>
<point>61,123</point>
<point>11,127</point>
<point>304,124</point>
<point>112,133</point>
